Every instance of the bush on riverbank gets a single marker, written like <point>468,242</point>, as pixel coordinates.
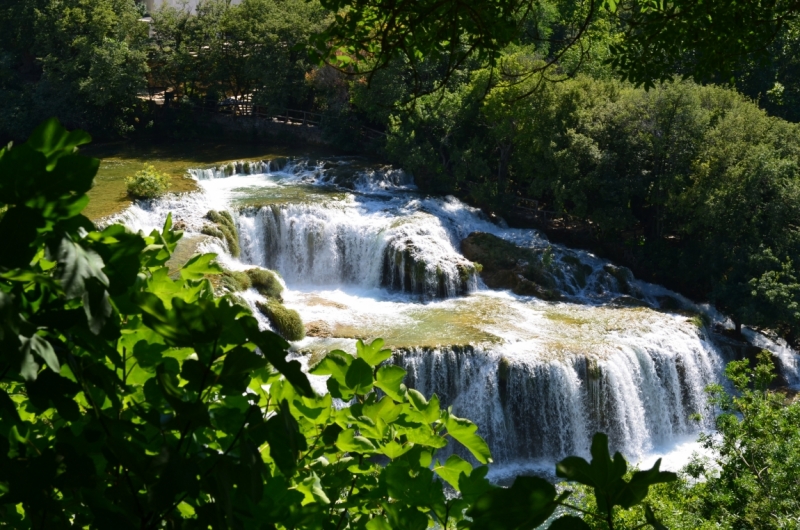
<point>148,183</point>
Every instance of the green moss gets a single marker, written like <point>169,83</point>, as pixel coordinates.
<point>265,282</point>
<point>236,299</point>
<point>286,322</point>
<point>224,229</point>
<point>235,281</point>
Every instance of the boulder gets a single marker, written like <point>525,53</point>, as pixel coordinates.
<point>504,265</point>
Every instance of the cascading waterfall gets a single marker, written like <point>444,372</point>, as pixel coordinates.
<point>372,257</point>
<point>528,408</point>
<point>339,243</point>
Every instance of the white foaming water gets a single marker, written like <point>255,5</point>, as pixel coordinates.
<point>364,253</point>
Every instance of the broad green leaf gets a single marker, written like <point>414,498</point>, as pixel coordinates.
<point>41,347</point>
<point>423,435</point>
<point>359,377</point>
<point>452,469</point>
<point>417,399</point>
<point>606,476</point>
<point>348,442</point>
<point>394,449</point>
<point>474,485</point>
<point>464,431</point>
<point>311,487</point>
<point>76,265</point>
<point>372,353</point>
<point>285,440</point>
<point>378,523</point>
<point>200,265</point>
<point>528,503</point>
<point>413,485</point>
<point>390,380</point>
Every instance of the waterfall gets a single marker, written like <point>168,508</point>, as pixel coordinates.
<point>529,408</point>
<point>362,251</point>
<point>342,244</point>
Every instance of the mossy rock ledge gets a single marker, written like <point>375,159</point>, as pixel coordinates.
<point>507,266</point>
<point>286,322</point>
<point>223,228</point>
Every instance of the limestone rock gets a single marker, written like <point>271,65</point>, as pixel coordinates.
<point>319,328</point>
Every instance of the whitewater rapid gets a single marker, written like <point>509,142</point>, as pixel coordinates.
<point>364,253</point>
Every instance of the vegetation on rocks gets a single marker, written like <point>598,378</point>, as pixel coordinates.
<point>148,183</point>
<point>224,229</point>
<point>286,322</point>
<point>266,282</point>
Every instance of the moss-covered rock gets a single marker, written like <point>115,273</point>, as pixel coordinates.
<point>504,265</point>
<point>223,228</point>
<point>286,322</point>
<point>265,282</point>
<point>235,281</point>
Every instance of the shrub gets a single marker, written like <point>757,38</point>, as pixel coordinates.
<point>286,322</point>
<point>265,282</point>
<point>147,183</point>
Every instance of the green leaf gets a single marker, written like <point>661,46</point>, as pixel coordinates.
<point>372,353</point>
<point>464,431</point>
<point>453,468</point>
<point>413,485</point>
<point>311,487</point>
<point>285,440</point>
<point>606,476</point>
<point>378,523</point>
<point>417,399</point>
<point>41,347</point>
<point>395,449</point>
<point>474,485</point>
<point>359,377</point>
<point>390,380</point>
<point>200,265</point>
<point>76,265</point>
<point>528,503</point>
<point>348,442</point>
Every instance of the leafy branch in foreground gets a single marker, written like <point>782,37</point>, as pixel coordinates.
<point>134,400</point>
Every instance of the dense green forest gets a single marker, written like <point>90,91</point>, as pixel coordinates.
<point>660,134</point>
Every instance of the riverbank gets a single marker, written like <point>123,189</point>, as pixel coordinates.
<point>120,160</point>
